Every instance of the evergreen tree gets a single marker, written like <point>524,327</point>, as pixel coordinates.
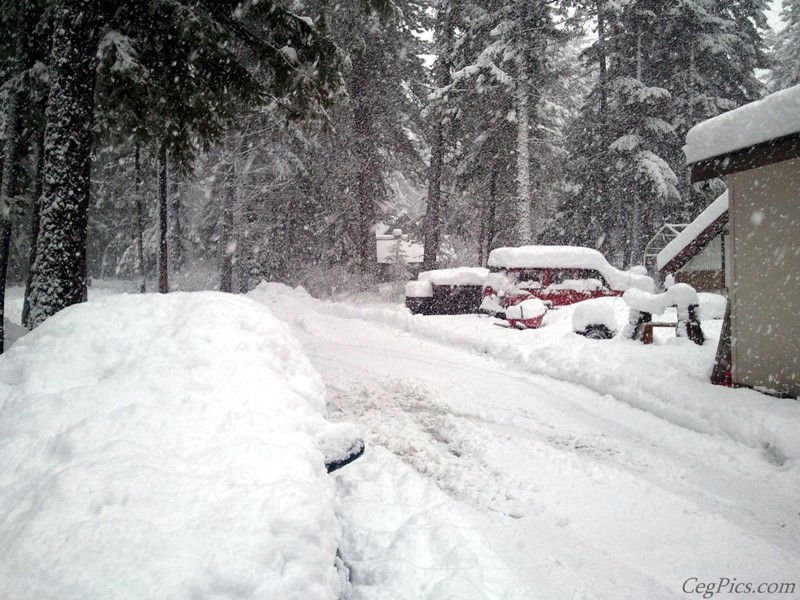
<point>661,68</point>
<point>786,52</point>
<point>176,75</point>
<point>502,87</point>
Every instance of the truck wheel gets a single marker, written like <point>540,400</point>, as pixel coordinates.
<point>598,332</point>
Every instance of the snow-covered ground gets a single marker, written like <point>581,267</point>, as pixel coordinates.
<point>547,465</point>
<point>499,463</point>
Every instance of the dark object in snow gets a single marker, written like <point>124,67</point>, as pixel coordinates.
<point>597,332</point>
<point>722,373</point>
<point>355,452</point>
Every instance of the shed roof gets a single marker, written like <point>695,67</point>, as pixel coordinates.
<point>691,241</point>
<point>753,135</point>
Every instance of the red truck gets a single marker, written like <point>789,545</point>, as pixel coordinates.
<point>555,276</point>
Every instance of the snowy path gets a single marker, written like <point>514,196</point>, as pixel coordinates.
<point>541,487</point>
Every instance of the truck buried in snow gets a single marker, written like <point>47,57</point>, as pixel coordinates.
<point>523,283</point>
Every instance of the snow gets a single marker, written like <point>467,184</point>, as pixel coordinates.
<point>681,295</point>
<point>499,464</point>
<point>164,446</point>
<point>528,464</point>
<point>567,257</point>
<point>714,210</point>
<point>455,276</point>
<point>527,309</point>
<point>592,312</point>
<point>772,117</point>
<point>419,289</point>
<point>411,252</point>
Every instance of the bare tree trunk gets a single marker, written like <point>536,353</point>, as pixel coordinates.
<point>522,233</point>
<point>444,28</point>
<point>139,218</point>
<point>35,217</point>
<point>488,217</point>
<point>59,271</point>
<point>163,242</point>
<point>368,178</point>
<point>176,233</point>
<point>432,214</point>
<point>7,189</point>
<point>226,238</point>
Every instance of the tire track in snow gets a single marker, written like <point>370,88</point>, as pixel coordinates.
<point>405,418</point>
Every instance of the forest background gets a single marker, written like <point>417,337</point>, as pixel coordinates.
<point>196,144</point>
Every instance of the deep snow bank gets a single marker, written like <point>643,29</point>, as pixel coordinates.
<point>163,447</point>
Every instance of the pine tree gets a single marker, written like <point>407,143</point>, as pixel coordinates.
<point>175,76</point>
<point>786,53</point>
<point>59,271</point>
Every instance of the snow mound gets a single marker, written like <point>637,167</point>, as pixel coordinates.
<point>527,309</point>
<point>419,289</point>
<point>773,117</point>
<point>712,306</point>
<point>681,295</point>
<point>594,313</point>
<point>164,446</point>
<point>568,257</point>
<point>456,276</point>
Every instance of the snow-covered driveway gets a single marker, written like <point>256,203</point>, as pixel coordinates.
<point>486,479</point>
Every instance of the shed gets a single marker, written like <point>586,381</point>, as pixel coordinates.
<point>696,255</point>
<point>757,148</point>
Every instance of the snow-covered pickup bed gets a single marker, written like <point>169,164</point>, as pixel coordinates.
<point>446,291</point>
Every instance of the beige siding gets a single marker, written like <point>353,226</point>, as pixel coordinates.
<point>765,293</point>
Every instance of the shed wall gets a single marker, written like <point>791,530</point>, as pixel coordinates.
<point>765,292</point>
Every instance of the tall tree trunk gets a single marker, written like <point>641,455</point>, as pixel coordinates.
<point>432,213</point>
<point>139,218</point>
<point>163,219</point>
<point>368,177</point>
<point>444,28</point>
<point>176,250</point>
<point>522,233</point>
<point>35,218</point>
<point>8,187</point>
<point>488,225</point>
<point>59,271</point>
<point>226,238</point>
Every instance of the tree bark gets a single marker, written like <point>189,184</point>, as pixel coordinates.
<point>522,234</point>
<point>163,220</point>
<point>368,181</point>
<point>432,213</point>
<point>436,169</point>
<point>35,219</point>
<point>176,233</point>
<point>139,218</point>
<point>7,189</point>
<point>59,272</point>
<point>226,237</point>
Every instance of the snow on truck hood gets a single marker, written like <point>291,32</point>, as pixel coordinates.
<point>164,446</point>
<point>568,257</point>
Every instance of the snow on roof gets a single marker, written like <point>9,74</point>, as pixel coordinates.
<point>567,257</point>
<point>703,221</point>
<point>457,276</point>
<point>773,117</point>
<point>164,446</point>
